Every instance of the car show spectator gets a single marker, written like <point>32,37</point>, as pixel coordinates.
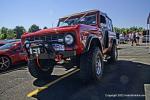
<point>133,38</point>
<point>137,36</point>
<point>140,37</point>
<point>130,37</point>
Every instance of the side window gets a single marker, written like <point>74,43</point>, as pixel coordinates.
<point>91,19</point>
<point>109,24</point>
<point>102,19</point>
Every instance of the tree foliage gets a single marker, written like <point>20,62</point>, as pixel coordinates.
<point>19,30</point>
<point>128,30</point>
<point>3,36</point>
<point>34,28</point>
<point>3,32</point>
<point>11,34</point>
<point>45,27</point>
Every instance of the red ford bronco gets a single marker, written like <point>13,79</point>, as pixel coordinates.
<point>84,40</point>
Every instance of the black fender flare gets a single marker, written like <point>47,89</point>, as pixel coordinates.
<point>92,38</point>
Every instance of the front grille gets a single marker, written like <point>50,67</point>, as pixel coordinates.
<point>48,38</point>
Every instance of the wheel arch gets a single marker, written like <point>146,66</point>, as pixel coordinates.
<point>93,41</point>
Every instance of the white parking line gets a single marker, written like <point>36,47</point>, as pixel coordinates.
<point>147,91</point>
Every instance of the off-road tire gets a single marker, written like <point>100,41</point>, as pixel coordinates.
<point>113,54</point>
<point>36,72</point>
<point>88,65</point>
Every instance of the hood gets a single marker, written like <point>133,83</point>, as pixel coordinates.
<point>55,30</point>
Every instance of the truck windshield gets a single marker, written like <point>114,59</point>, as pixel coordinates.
<point>88,20</point>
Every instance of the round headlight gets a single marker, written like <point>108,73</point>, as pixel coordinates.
<point>27,44</point>
<point>69,39</point>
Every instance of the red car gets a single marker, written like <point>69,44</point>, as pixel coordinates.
<point>10,54</point>
<point>3,42</point>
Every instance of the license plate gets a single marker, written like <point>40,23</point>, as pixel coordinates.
<point>34,50</point>
<point>58,47</point>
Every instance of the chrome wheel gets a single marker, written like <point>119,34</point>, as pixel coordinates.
<point>98,65</point>
<point>4,63</point>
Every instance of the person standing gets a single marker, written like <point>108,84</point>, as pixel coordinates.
<point>130,37</point>
<point>137,38</point>
<point>133,38</point>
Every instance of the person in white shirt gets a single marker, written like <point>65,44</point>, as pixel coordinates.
<point>137,38</point>
<point>133,38</point>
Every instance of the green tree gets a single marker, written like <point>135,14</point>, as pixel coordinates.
<point>116,29</point>
<point>141,29</point>
<point>11,34</point>
<point>4,30</point>
<point>133,29</point>
<point>34,28</point>
<point>3,36</point>
<point>19,30</point>
<point>45,27</point>
<point>127,30</point>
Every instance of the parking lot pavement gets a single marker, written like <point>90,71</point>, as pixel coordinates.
<point>134,53</point>
<point>124,80</point>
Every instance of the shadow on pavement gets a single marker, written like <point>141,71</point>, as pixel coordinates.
<point>124,77</point>
<point>119,48</point>
<point>40,83</point>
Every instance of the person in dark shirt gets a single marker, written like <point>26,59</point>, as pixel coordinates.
<point>133,38</point>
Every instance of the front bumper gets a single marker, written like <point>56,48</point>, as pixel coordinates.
<point>67,54</point>
<point>47,52</point>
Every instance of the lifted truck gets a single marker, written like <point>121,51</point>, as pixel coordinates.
<point>83,39</point>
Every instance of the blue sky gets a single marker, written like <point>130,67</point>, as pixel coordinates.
<point>124,13</point>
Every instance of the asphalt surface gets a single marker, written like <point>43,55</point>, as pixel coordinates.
<point>123,80</point>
